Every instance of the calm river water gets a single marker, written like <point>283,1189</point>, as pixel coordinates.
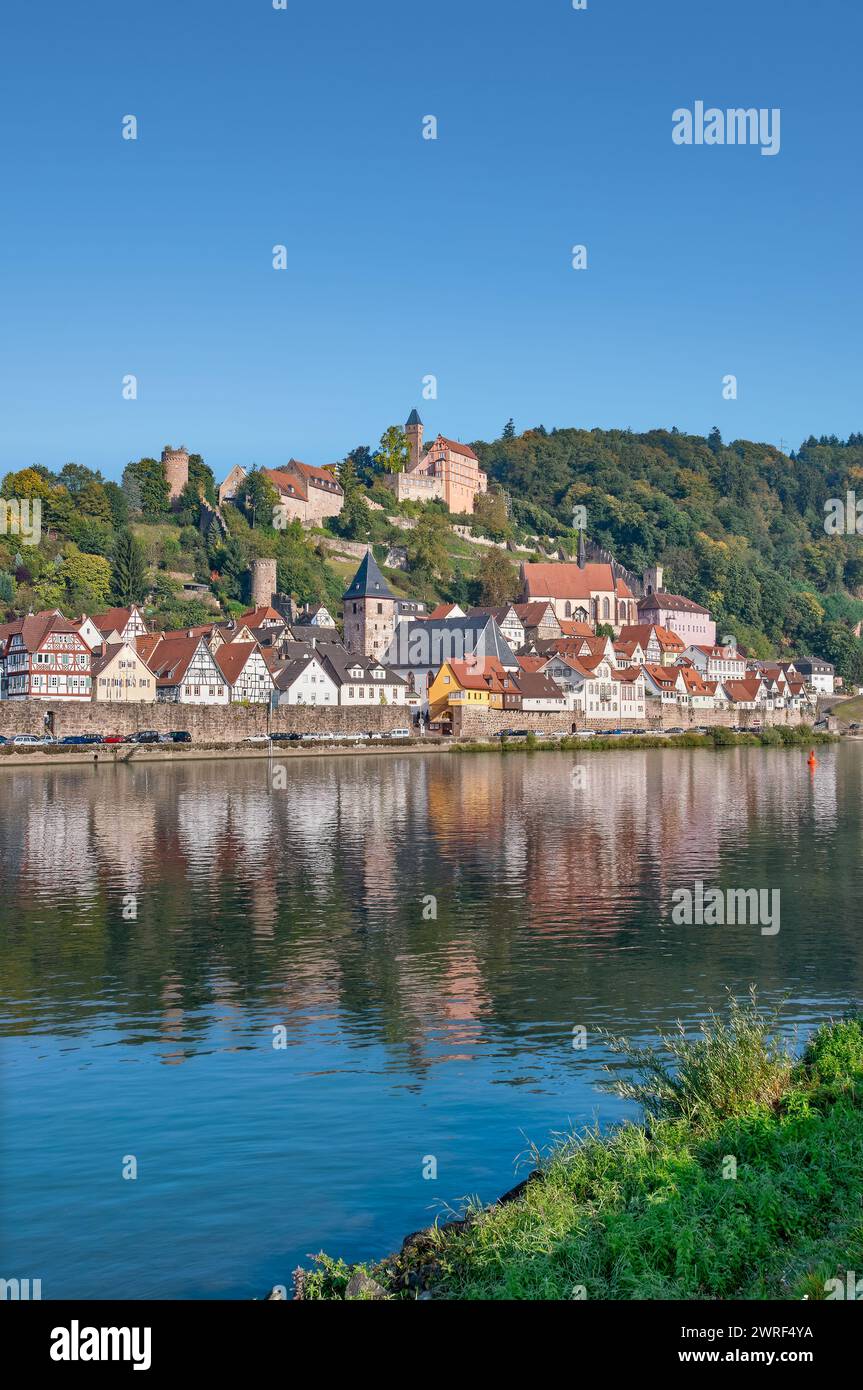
<point>302,916</point>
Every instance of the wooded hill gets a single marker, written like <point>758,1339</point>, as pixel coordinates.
<point>739,527</point>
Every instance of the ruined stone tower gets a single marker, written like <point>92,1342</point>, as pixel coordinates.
<point>176,465</point>
<point>263,583</point>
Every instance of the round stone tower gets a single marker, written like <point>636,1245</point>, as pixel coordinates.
<point>176,465</point>
<point>264,583</point>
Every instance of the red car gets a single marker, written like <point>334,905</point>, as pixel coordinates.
<point>114,738</point>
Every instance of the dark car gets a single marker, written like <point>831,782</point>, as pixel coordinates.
<point>180,736</point>
<point>82,738</point>
<point>145,736</point>
<point>285,738</point>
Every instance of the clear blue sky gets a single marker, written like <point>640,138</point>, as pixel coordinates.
<point>408,257</point>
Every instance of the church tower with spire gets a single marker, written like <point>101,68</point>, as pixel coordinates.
<point>370,610</point>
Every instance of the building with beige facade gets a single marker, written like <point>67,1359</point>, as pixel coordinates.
<point>120,674</point>
<point>446,469</point>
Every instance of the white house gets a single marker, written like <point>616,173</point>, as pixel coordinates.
<point>246,673</point>
<point>722,662</point>
<point>363,680</point>
<point>305,681</point>
<point>185,670</point>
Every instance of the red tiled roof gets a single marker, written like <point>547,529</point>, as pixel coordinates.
<point>113,621</point>
<point>232,658</point>
<point>569,580</point>
<point>457,448</point>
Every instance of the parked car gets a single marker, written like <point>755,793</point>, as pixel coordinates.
<point>80,739</point>
<point>31,740</point>
<point>3,739</point>
<point>114,738</point>
<point>674,731</point>
<point>400,733</point>
<point>144,736</point>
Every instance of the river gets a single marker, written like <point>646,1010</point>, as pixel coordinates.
<point>314,1010</point>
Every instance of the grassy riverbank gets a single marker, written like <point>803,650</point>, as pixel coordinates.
<point>743,1181</point>
<point>784,736</point>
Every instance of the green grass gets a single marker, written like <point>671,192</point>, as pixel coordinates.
<point>651,1210</point>
<point>849,711</point>
<point>792,736</point>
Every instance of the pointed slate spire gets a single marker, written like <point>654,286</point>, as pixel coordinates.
<point>368,582</point>
<point>413,419</point>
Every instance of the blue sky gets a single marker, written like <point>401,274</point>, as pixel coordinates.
<point>409,257</point>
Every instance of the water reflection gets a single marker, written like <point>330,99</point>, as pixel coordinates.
<point>302,907</point>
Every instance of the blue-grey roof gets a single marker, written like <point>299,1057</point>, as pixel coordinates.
<point>368,582</point>
<point>414,419</point>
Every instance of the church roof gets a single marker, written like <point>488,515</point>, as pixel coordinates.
<point>368,582</point>
<point>414,419</point>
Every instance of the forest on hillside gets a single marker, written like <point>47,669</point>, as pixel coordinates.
<point>740,527</point>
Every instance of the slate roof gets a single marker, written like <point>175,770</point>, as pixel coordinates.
<point>368,582</point>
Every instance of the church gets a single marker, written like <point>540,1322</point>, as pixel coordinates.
<point>581,591</point>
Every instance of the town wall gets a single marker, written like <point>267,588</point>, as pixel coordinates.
<point>483,723</point>
<point>206,723</point>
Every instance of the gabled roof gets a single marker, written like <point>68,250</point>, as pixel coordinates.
<point>629,674</point>
<point>292,670</point>
<point>257,616</point>
<point>232,659</point>
<point>445,610</point>
<point>114,620</point>
<point>172,658</point>
<point>36,627</point>
<point>455,446</point>
<point>741,691</point>
<point>641,632</point>
<point>675,602</point>
<point>534,685</point>
<point>368,582</point>
<point>568,580</point>
<point>532,614</point>
<point>110,651</point>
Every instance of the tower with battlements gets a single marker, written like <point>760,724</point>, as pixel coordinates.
<point>176,465</point>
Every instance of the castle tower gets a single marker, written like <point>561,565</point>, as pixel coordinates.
<point>176,465</point>
<point>264,581</point>
<point>370,610</point>
<point>414,433</point>
<point>652,580</point>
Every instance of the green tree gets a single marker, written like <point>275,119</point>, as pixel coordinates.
<point>146,488</point>
<point>498,580</point>
<point>129,570</point>
<point>258,499</point>
<point>393,452</point>
<point>87,578</point>
<point>428,556</point>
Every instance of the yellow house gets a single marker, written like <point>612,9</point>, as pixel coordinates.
<point>120,674</point>
<point>459,683</point>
